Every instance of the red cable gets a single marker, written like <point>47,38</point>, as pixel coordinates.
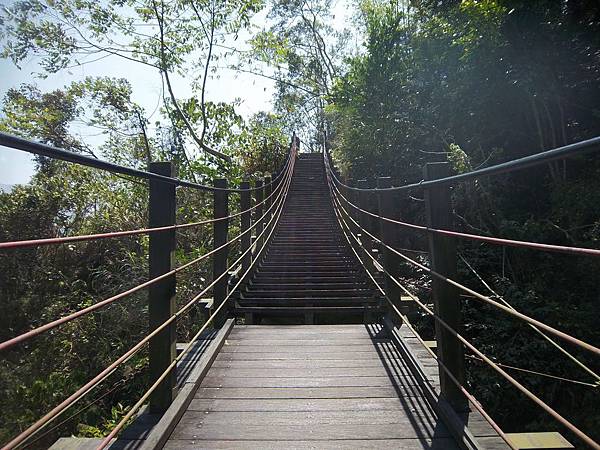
<point>477,237</point>
<point>115,234</point>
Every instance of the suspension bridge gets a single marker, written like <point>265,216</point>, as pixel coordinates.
<point>306,338</point>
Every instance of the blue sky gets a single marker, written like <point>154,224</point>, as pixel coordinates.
<point>255,92</point>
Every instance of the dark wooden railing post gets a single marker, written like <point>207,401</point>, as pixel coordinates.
<point>388,233</point>
<point>258,212</point>
<point>161,295</point>
<point>365,222</point>
<point>268,203</point>
<point>442,255</point>
<point>245,225</point>
<point>220,233</point>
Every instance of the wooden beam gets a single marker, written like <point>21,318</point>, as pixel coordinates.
<point>387,231</point>
<point>446,301</point>
<point>258,212</point>
<point>163,429</point>
<point>551,440</point>
<point>245,225</point>
<point>161,295</point>
<point>220,234</point>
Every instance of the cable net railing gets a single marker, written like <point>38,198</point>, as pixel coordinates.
<point>350,213</point>
<point>269,198</point>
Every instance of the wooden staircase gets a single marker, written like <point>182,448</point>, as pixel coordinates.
<point>308,273</point>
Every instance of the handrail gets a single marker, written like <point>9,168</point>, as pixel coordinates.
<point>485,299</point>
<point>116,234</point>
<point>566,151</point>
<point>82,391</point>
<point>464,341</point>
<point>114,432</point>
<point>48,326</point>
<point>37,148</point>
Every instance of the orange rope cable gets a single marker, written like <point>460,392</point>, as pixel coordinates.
<point>115,431</point>
<point>498,369</point>
<point>485,299</point>
<point>76,396</point>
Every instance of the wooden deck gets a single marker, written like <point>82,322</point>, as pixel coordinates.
<point>340,386</point>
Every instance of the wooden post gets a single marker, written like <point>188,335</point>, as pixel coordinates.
<point>442,255</point>
<point>258,212</point>
<point>220,232</point>
<point>268,203</point>
<point>245,225</point>
<point>161,295</point>
<point>388,233</point>
<point>365,222</point>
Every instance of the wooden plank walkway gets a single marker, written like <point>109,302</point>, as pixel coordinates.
<point>339,386</point>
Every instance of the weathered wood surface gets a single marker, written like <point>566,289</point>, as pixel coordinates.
<point>486,437</point>
<point>339,386</point>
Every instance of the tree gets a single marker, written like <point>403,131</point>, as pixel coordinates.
<point>174,37</point>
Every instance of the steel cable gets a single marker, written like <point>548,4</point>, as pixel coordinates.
<point>473,349</point>
<point>115,431</point>
<point>482,297</point>
<point>116,234</point>
<point>43,328</point>
<point>99,378</point>
<point>477,237</point>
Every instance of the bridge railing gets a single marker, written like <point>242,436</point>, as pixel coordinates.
<point>269,196</point>
<point>369,226</point>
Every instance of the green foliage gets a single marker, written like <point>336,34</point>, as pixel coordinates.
<point>42,284</point>
<point>476,83</point>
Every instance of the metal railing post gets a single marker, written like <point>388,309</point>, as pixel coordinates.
<point>161,295</point>
<point>442,255</point>
<point>220,233</point>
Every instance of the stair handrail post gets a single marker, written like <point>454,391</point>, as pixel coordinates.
<point>220,234</point>
<point>446,300</point>
<point>161,295</point>
<point>388,235</point>
<point>365,222</point>
<point>269,202</point>
<point>245,222</point>
<point>259,195</point>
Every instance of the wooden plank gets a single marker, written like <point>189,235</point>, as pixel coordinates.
<point>299,382</point>
<point>323,392</point>
<point>405,444</point>
<point>162,430</point>
<point>423,420</point>
<point>285,349</point>
<point>551,440</point>
<point>251,342</point>
<point>286,372</point>
<point>347,355</point>
<point>297,363</point>
<point>298,404</point>
<point>298,432</point>
<point>260,330</point>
